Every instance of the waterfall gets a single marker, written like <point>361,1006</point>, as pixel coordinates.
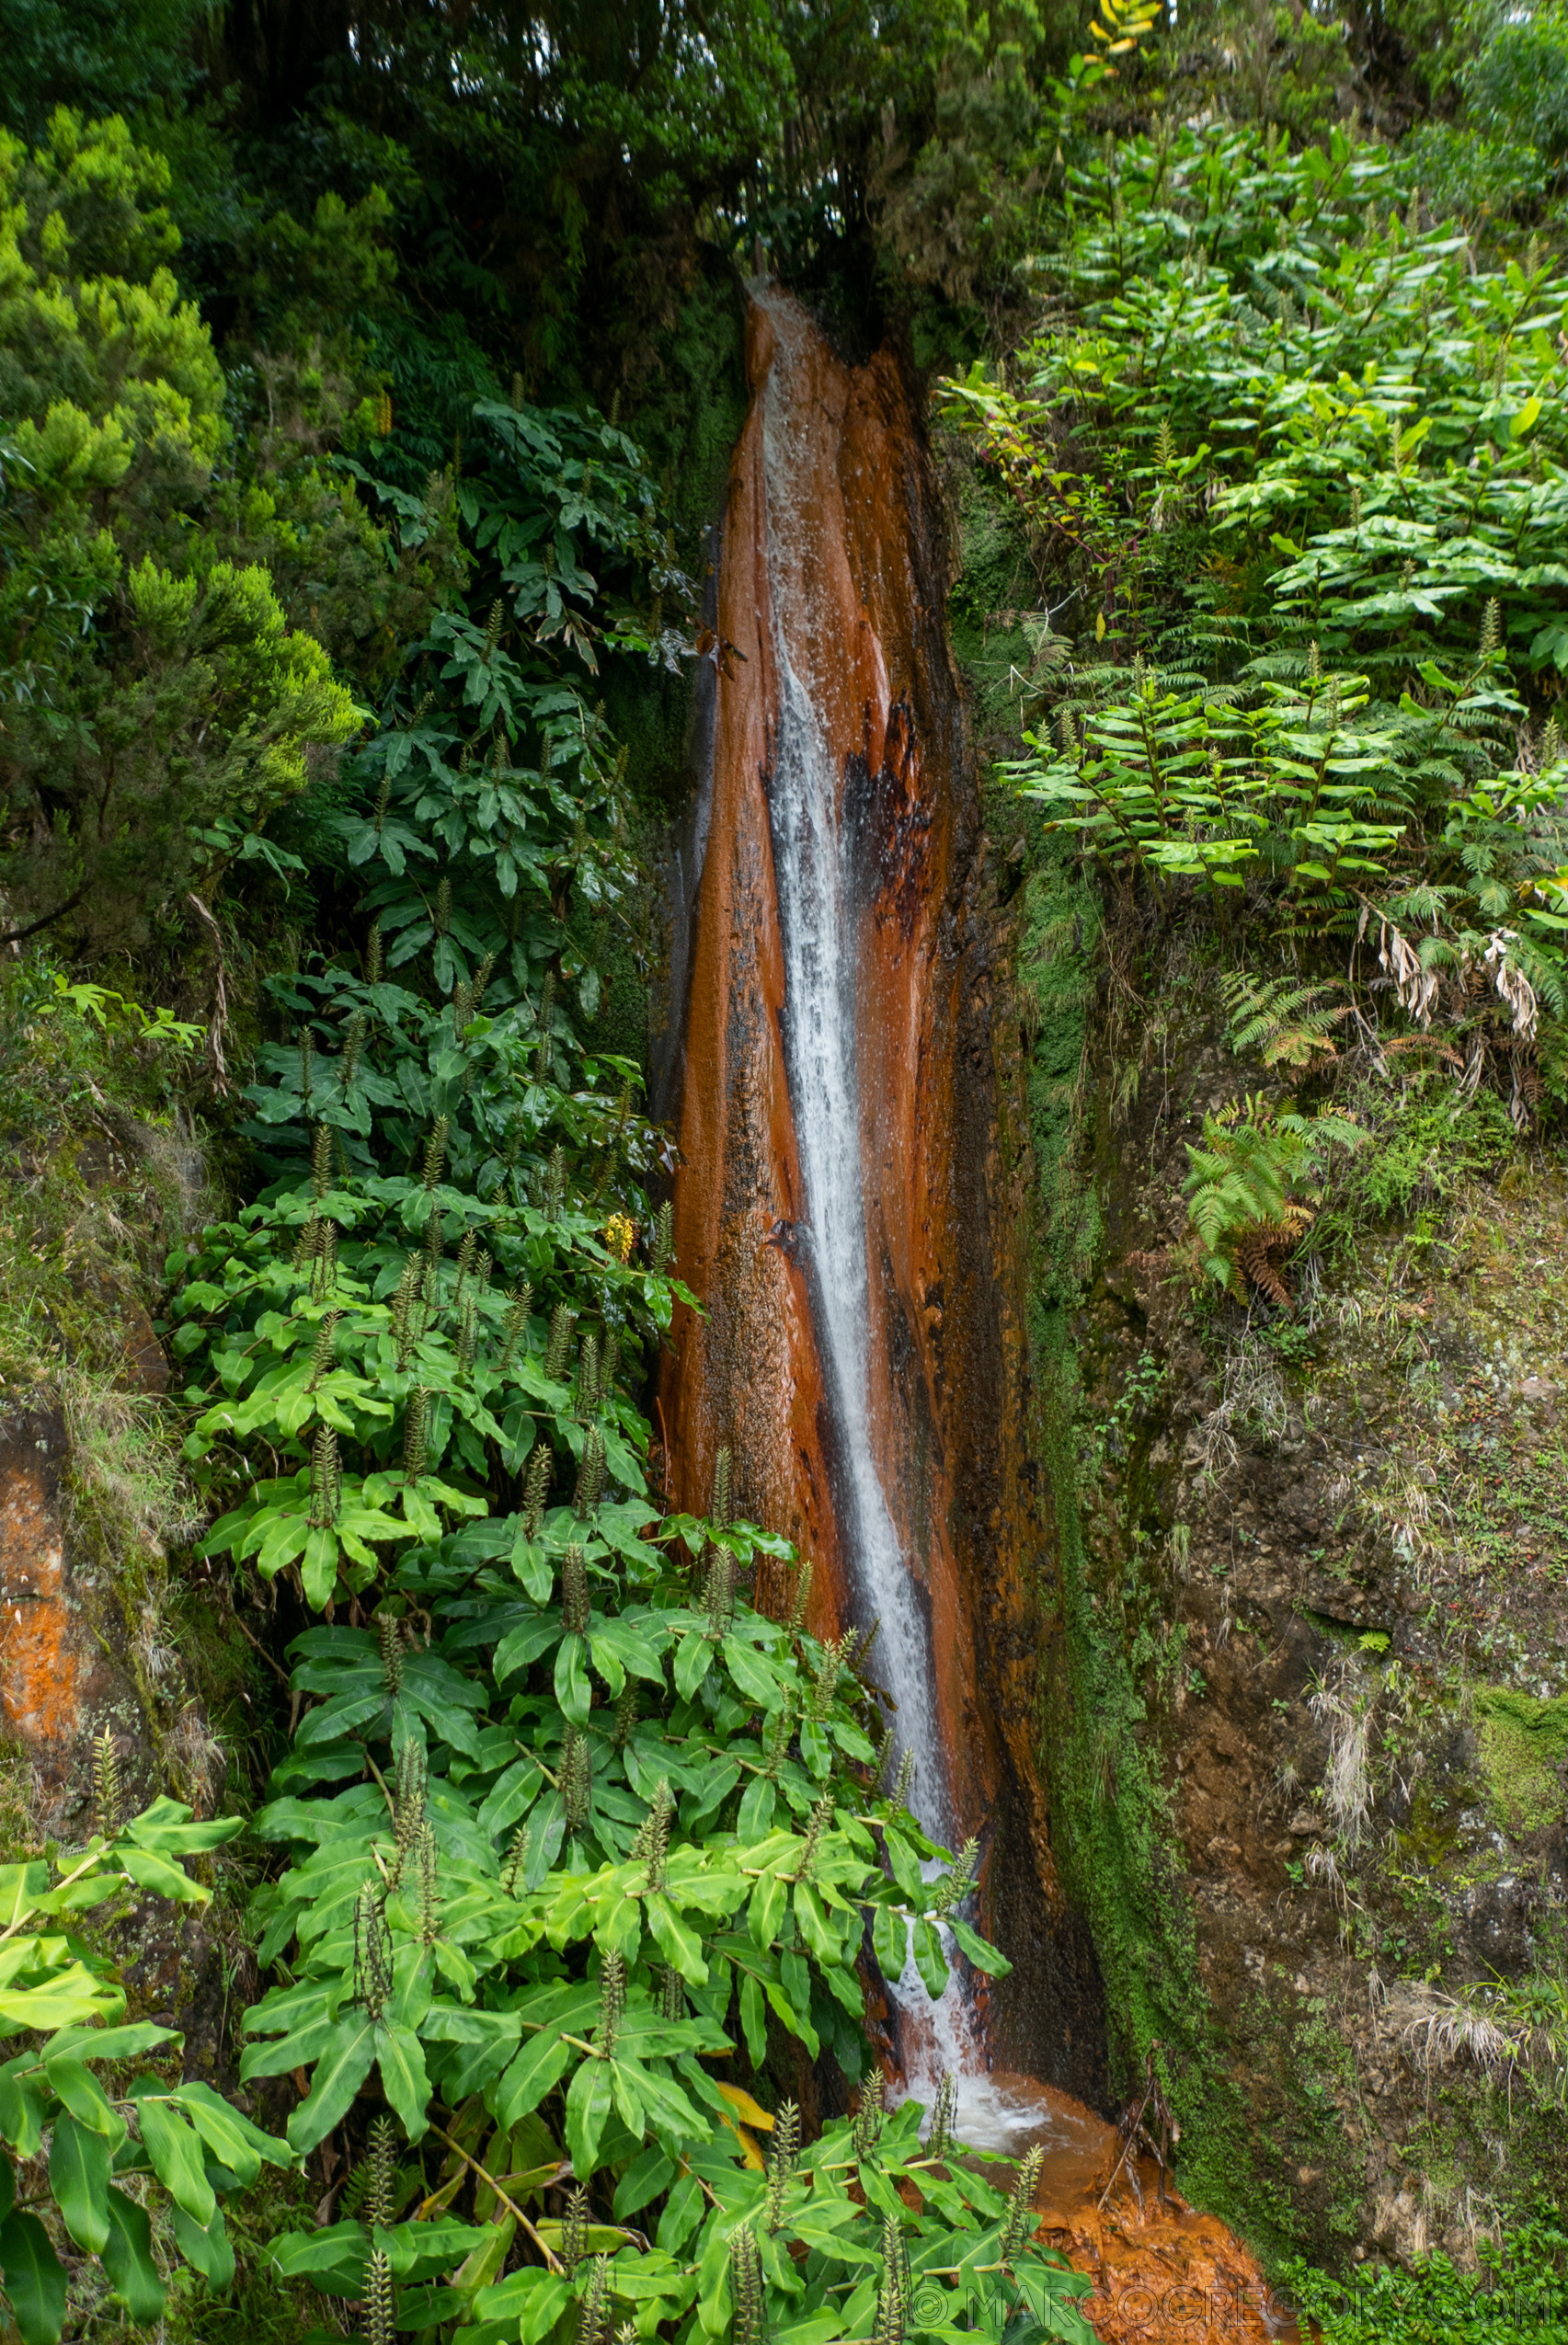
<point>815,891</point>
<point>818,886</point>
<point>836,1205</point>
<point>833,1204</point>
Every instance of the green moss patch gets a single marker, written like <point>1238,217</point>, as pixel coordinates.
<point>1524,1749</point>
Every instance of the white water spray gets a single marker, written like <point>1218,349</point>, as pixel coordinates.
<point>815,893</point>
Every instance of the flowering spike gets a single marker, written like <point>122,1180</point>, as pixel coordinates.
<point>1022,2218</point>
<point>651,1846</point>
<point>591,1474</point>
<point>537,1487</point>
<point>574,1591</point>
<point>611,2001</point>
<point>416,1434</point>
<point>561,1320</point>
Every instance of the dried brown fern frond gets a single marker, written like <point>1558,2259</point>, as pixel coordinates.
<point>1431,1043</point>
<point>1260,1253</point>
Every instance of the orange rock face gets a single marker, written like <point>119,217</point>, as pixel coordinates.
<point>41,1632</point>
<point>847,590</point>
<point>57,1681</point>
<point>841,599</point>
<point>831,599</point>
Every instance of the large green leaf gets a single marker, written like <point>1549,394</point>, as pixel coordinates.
<point>981,1954</point>
<point>694,1659</point>
<point>588,2099</point>
<point>84,2097</point>
<point>234,2141</point>
<point>675,1938</point>
<point>21,2109</point>
<point>340,2070</point>
<point>756,1677</point>
<point>334,2257</point>
<point>79,2160</point>
<point>35,2279</point>
<point>539,2066</point>
<point>753,2019</point>
<point>73,1994</point>
<point>207,2248</point>
<point>150,1869</point>
<point>168,1824</point>
<point>128,2258</point>
<point>109,2044</point>
<point>523,2307</point>
<point>929,1963</point>
<point>572,1690</point>
<point>403,2078</point>
<point>757,1805</point>
<point>889,1940</point>
<point>175,2151</point>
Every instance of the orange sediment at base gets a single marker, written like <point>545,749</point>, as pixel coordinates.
<point>1163,2274</point>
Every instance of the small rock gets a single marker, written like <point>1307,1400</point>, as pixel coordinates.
<point>1302,1823</point>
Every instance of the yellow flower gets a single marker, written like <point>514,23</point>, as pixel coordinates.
<point>620,1236</point>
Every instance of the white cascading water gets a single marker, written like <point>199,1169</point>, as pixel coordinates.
<point>813,896</point>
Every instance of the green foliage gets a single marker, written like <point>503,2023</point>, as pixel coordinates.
<point>93,54</point>
<point>1426,1144</point>
<point>1304,441</point>
<point>1471,177</point>
<point>565,1816</point>
<point>957,214</point>
<point>1523,1750</point>
<point>106,1008</point>
<point>150,702</point>
<point>1516,85</point>
<point>185,2136</point>
<point>1264,329</point>
<point>1288,1026</point>
<point>1522,2296</point>
<point>1253,1185</point>
<point>1201,785</point>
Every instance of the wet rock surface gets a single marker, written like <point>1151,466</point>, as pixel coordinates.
<point>1331,1544</point>
<point>847,590</point>
<point>60,1683</point>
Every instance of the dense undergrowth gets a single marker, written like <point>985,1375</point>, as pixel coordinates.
<point>361,427</point>
<point>563,1817</point>
<point>1267,568</point>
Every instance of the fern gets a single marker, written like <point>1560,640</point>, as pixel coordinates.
<point>1252,1187</point>
<point>1290,1025</point>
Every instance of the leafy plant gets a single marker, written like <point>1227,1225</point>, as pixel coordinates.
<point>104,1008</point>
<point>566,1817</point>
<point>1251,1189</point>
<point>1521,2296</point>
<point>148,700</point>
<point>1288,1024</point>
<point>1268,403</point>
<point>99,2140</point>
<point>1199,786</point>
